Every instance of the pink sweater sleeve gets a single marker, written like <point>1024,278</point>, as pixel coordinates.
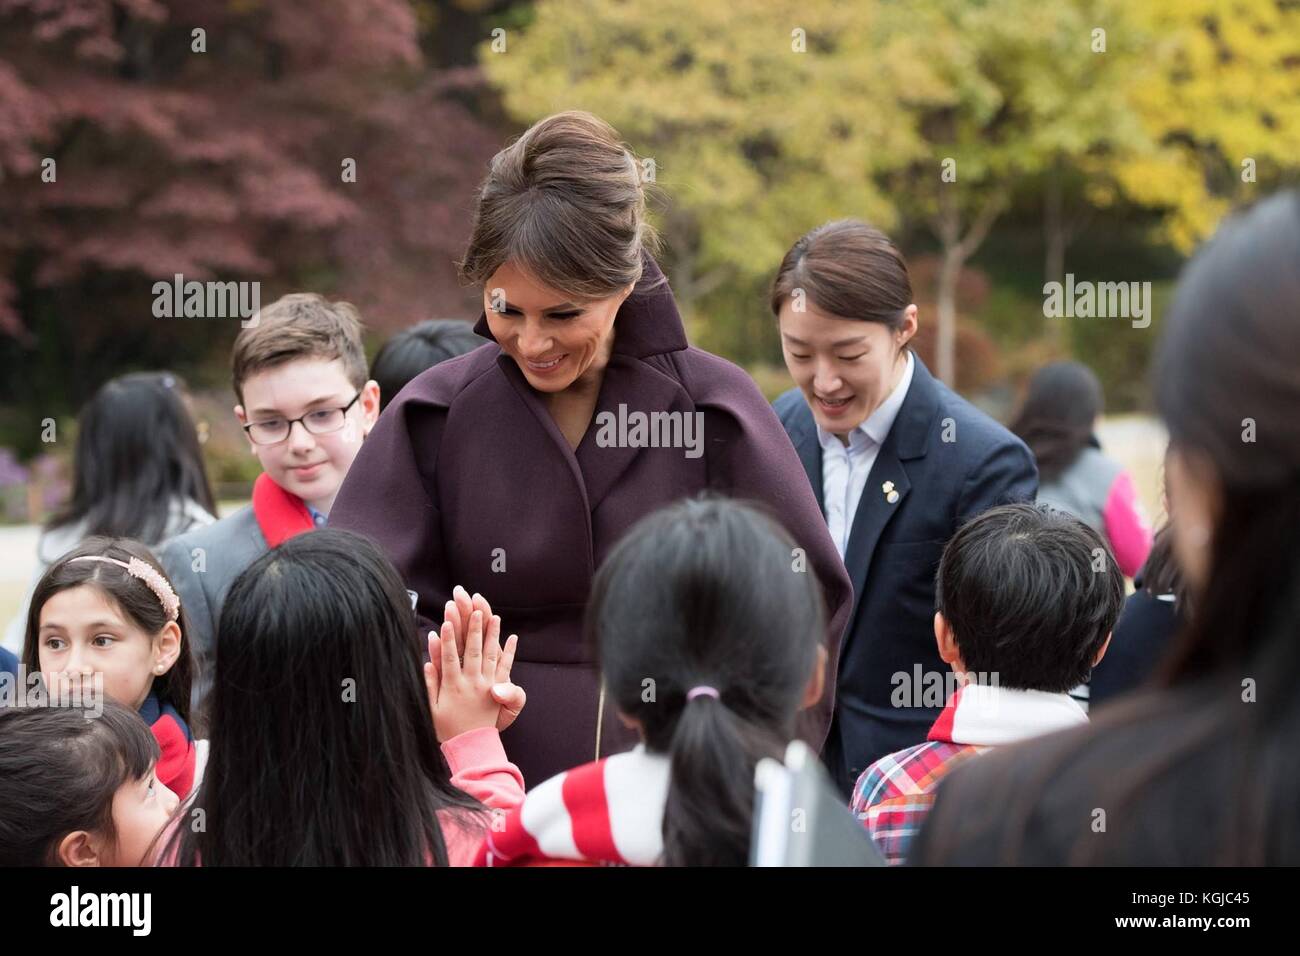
<point>1126,527</point>
<point>479,766</point>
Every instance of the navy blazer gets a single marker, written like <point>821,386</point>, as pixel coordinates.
<point>948,462</point>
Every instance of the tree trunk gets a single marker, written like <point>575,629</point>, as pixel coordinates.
<point>1054,241</point>
<point>956,250</point>
<point>1054,232</point>
<point>946,347</point>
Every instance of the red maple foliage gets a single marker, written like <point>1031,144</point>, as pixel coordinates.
<point>224,164</point>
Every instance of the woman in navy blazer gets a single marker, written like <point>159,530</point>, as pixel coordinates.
<point>897,461</point>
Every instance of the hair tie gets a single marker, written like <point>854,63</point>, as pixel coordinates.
<point>702,691</point>
<point>156,583</point>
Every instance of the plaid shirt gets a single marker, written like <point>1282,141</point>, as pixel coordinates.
<point>895,793</point>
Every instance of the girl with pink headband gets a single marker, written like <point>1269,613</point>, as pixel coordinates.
<point>106,612</point>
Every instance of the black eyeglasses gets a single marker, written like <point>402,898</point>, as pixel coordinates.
<point>321,421</point>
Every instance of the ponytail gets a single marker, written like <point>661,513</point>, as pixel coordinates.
<point>705,587</point>
<point>710,808</point>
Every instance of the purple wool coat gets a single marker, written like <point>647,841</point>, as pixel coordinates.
<point>466,479</point>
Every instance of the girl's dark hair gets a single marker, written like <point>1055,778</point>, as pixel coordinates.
<point>847,269</point>
<point>322,750</point>
<point>1160,574</point>
<point>707,592</point>
<point>137,452</point>
<point>135,599</point>
<point>1226,386</point>
<point>416,349</point>
<point>566,201</point>
<point>1056,419</point>
<point>59,770</point>
<point>1229,392</point>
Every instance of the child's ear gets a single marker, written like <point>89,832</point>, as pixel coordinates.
<point>370,404</point>
<point>79,848</point>
<point>944,639</point>
<point>166,648</point>
<point>243,420</point>
<point>816,685</point>
<point>1101,652</point>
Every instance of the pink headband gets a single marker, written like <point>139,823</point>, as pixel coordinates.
<point>156,583</point>
<point>703,691</point>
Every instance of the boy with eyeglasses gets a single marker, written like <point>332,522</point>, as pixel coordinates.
<point>305,402</point>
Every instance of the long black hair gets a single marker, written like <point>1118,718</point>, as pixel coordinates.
<point>59,770</point>
<point>1228,389</point>
<point>708,592</point>
<point>322,750</point>
<point>135,598</point>
<point>137,452</point>
<point>1056,419</point>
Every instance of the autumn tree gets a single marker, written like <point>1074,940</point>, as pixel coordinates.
<point>296,144</point>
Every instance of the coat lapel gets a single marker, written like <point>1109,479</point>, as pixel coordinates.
<point>648,323</point>
<point>908,439</point>
<point>636,388</point>
<point>803,435</point>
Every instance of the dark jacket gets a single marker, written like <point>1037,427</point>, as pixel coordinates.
<point>948,462</point>
<point>466,479</point>
<point>1143,635</point>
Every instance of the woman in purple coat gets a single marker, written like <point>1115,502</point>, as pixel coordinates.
<point>514,469</point>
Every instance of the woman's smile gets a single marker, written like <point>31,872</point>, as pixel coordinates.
<point>545,367</point>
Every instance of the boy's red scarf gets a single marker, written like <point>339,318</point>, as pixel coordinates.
<point>279,514</point>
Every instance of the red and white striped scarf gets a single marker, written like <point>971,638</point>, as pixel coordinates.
<point>609,813</point>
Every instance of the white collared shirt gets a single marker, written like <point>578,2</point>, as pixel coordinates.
<point>845,469</point>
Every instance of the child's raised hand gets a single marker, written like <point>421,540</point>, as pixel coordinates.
<point>476,691</point>
<point>458,610</point>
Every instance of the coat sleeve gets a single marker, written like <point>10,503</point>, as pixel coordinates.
<point>1004,475</point>
<point>750,456</point>
<point>388,496</point>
